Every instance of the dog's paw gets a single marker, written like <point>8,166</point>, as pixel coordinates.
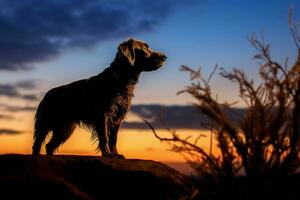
<point>108,155</point>
<point>119,156</point>
<point>113,155</point>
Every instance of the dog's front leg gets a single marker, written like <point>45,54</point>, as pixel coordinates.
<point>102,132</point>
<point>113,140</point>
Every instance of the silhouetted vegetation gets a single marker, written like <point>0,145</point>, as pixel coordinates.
<point>264,143</point>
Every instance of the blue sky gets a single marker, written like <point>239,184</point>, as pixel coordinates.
<point>44,44</point>
<point>194,33</point>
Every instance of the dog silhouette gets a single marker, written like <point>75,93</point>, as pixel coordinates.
<point>98,103</point>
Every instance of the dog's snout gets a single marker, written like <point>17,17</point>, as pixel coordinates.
<point>161,56</point>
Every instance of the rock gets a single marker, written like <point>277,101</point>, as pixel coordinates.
<point>88,177</point>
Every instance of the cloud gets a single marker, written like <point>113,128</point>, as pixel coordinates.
<point>9,90</point>
<point>9,132</point>
<point>10,108</point>
<point>33,31</point>
<point>28,84</point>
<point>175,117</point>
<point>6,117</point>
<point>30,97</point>
<point>13,90</point>
<point>149,149</point>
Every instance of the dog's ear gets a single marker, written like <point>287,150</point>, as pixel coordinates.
<point>126,51</point>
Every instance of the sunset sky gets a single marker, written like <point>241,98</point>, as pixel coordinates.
<point>44,44</point>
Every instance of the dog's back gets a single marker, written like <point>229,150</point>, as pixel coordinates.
<point>66,104</point>
<point>79,103</point>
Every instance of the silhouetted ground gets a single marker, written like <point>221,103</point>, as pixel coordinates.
<point>243,188</point>
<point>88,177</point>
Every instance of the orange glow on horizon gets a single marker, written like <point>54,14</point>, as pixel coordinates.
<point>134,144</point>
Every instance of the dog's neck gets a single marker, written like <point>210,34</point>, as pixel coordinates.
<point>121,73</point>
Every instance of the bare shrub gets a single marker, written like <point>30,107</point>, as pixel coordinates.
<point>265,140</point>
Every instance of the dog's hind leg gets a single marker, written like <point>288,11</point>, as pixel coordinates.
<point>39,137</point>
<point>60,135</point>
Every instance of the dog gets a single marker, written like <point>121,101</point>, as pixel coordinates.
<point>99,103</point>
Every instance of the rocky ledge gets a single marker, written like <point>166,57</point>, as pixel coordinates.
<point>88,177</point>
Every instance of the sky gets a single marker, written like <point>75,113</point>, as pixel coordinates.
<point>44,44</point>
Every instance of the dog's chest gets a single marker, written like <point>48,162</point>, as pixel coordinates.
<point>120,104</point>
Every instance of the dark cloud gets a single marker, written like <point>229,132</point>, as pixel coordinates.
<point>9,131</point>
<point>13,90</point>
<point>30,97</point>
<point>28,84</point>
<point>9,90</point>
<point>35,30</point>
<point>10,108</point>
<point>175,117</point>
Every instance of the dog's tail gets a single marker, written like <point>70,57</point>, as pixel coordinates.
<point>41,127</point>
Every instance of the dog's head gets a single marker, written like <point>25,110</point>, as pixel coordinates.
<point>139,56</point>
